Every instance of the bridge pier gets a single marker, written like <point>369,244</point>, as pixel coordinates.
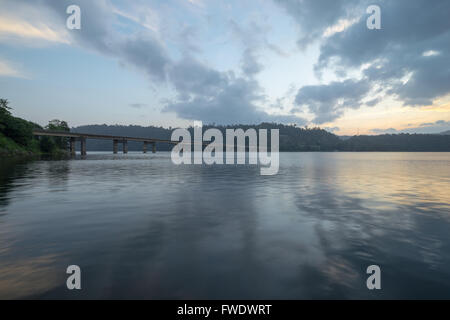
<point>125,146</point>
<point>72,147</point>
<point>144,148</point>
<point>83,146</point>
<point>115,146</point>
<point>154,147</point>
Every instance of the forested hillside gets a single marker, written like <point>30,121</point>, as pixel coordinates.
<point>16,135</point>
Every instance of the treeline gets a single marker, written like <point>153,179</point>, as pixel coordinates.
<point>16,135</point>
<point>292,138</point>
<point>398,142</point>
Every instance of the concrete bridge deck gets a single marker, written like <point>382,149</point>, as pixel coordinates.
<point>78,136</point>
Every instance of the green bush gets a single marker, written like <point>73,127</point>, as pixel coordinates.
<point>17,129</point>
<point>58,125</point>
<point>17,134</point>
<point>21,131</point>
<point>47,145</point>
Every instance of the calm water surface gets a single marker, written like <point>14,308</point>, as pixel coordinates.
<point>141,227</point>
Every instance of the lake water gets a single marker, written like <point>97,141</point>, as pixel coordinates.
<point>141,227</point>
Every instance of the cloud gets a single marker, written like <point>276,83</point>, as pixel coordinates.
<point>23,23</point>
<point>416,48</point>
<point>318,17</point>
<point>218,97</point>
<point>250,65</point>
<point>424,128</point>
<point>443,123</point>
<point>138,105</point>
<point>145,53</point>
<point>340,26</point>
<point>191,77</point>
<point>253,37</point>
<point>385,131</point>
<point>202,93</point>
<point>327,102</point>
<point>373,102</point>
<point>285,101</point>
<point>187,37</point>
<point>222,97</point>
<point>142,50</point>
<point>198,3</point>
<point>332,129</point>
<point>142,15</point>
<point>10,28</point>
<point>406,59</point>
<point>7,69</point>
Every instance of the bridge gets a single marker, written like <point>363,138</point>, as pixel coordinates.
<point>76,136</point>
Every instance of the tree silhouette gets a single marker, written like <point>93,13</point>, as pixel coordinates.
<point>4,108</point>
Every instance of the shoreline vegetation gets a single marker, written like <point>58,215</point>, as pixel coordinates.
<point>17,140</point>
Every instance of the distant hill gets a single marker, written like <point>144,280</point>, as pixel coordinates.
<point>445,132</point>
<point>292,138</point>
<point>398,142</point>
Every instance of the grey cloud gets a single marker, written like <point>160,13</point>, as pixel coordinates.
<point>191,77</point>
<point>187,38</point>
<point>384,131</point>
<point>97,17</point>
<point>219,98</point>
<point>437,123</point>
<point>203,93</point>
<point>327,102</point>
<point>331,129</point>
<point>254,38</point>
<point>315,16</point>
<point>142,51</point>
<point>397,50</point>
<point>251,40</point>
<point>393,53</point>
<point>424,128</point>
<point>250,65</point>
<point>145,53</point>
<point>373,102</point>
<point>138,105</point>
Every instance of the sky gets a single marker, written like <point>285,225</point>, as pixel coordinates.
<point>170,63</point>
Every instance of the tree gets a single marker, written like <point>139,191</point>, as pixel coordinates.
<point>4,108</point>
<point>4,113</point>
<point>17,129</point>
<point>47,144</point>
<point>57,125</point>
